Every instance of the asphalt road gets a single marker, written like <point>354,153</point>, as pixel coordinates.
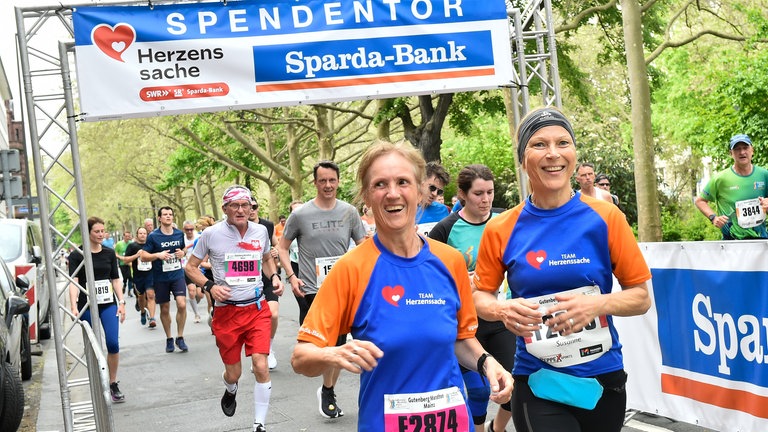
<point>181,391</point>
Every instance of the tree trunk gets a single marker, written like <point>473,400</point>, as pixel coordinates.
<point>383,127</point>
<point>648,213</point>
<point>427,136</point>
<point>199,203</point>
<point>324,124</point>
<point>294,157</point>
<point>180,212</point>
<point>214,201</point>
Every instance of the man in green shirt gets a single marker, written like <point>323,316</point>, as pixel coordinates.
<point>125,268</point>
<point>739,194</point>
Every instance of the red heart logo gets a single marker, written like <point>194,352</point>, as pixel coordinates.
<point>393,295</point>
<point>536,258</point>
<point>113,41</point>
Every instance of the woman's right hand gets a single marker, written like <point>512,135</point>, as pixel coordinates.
<point>519,316</point>
<point>358,355</point>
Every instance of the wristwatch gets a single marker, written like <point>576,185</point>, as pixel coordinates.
<point>712,217</point>
<point>208,285</point>
<point>122,302</point>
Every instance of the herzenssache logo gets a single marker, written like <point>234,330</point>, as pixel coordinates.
<point>113,40</point>
<point>393,294</point>
<point>535,258</point>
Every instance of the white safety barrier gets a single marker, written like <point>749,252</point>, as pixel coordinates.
<point>700,354</point>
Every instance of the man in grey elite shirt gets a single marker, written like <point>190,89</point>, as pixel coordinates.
<point>323,228</point>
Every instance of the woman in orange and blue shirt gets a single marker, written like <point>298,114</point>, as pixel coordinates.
<point>406,300</point>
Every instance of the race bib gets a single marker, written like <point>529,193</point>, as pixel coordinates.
<point>323,267</point>
<point>143,266</point>
<point>436,411</point>
<point>171,264</point>
<point>242,268</point>
<point>104,293</point>
<point>581,347</point>
<point>749,213</point>
<point>425,228</point>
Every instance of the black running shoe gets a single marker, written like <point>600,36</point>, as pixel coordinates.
<point>228,403</point>
<point>117,395</point>
<point>327,400</point>
<point>181,344</point>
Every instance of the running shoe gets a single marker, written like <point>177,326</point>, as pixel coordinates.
<point>228,403</point>
<point>258,427</point>
<point>327,401</point>
<point>181,344</point>
<point>117,395</point>
<point>152,323</point>
<point>137,304</point>
<point>143,318</point>
<point>271,359</point>
<point>169,345</point>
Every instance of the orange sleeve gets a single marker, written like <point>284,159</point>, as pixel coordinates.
<point>627,260</point>
<point>335,305</point>
<point>490,268</point>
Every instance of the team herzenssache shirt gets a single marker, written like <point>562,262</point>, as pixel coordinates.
<point>414,309</point>
<point>577,248</point>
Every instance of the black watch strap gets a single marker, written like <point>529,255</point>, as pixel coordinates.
<point>208,285</point>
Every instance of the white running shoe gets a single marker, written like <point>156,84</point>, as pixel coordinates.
<point>271,359</point>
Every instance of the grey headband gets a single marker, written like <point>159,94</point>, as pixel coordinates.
<point>536,120</point>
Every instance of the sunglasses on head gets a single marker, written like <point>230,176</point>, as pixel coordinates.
<point>433,188</point>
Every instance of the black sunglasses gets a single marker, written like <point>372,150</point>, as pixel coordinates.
<point>433,188</point>
<point>603,184</point>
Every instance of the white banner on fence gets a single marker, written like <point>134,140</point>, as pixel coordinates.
<point>700,355</point>
<point>140,61</point>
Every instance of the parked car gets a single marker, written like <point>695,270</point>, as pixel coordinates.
<point>22,250</point>
<point>15,352</point>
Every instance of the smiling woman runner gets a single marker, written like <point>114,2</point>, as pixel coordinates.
<point>382,291</point>
<point>559,250</point>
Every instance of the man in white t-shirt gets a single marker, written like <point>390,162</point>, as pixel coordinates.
<point>238,251</point>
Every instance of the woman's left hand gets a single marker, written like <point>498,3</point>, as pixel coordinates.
<point>578,311</point>
<point>500,380</point>
<point>121,312</point>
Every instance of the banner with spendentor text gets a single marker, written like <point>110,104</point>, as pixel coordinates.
<point>700,355</point>
<point>141,61</point>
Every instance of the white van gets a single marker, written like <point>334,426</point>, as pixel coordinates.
<point>21,246</point>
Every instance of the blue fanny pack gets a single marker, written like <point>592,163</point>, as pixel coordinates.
<point>567,389</point>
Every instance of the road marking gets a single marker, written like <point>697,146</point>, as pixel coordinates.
<point>645,427</point>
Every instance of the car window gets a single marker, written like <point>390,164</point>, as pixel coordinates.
<point>10,247</point>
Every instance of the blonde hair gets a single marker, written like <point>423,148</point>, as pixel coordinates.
<point>204,222</point>
<point>381,148</point>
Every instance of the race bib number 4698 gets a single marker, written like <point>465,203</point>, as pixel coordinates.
<point>242,268</point>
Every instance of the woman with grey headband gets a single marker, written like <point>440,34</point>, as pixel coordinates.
<point>559,251</point>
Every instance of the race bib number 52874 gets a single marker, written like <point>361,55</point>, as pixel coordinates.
<point>436,411</point>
